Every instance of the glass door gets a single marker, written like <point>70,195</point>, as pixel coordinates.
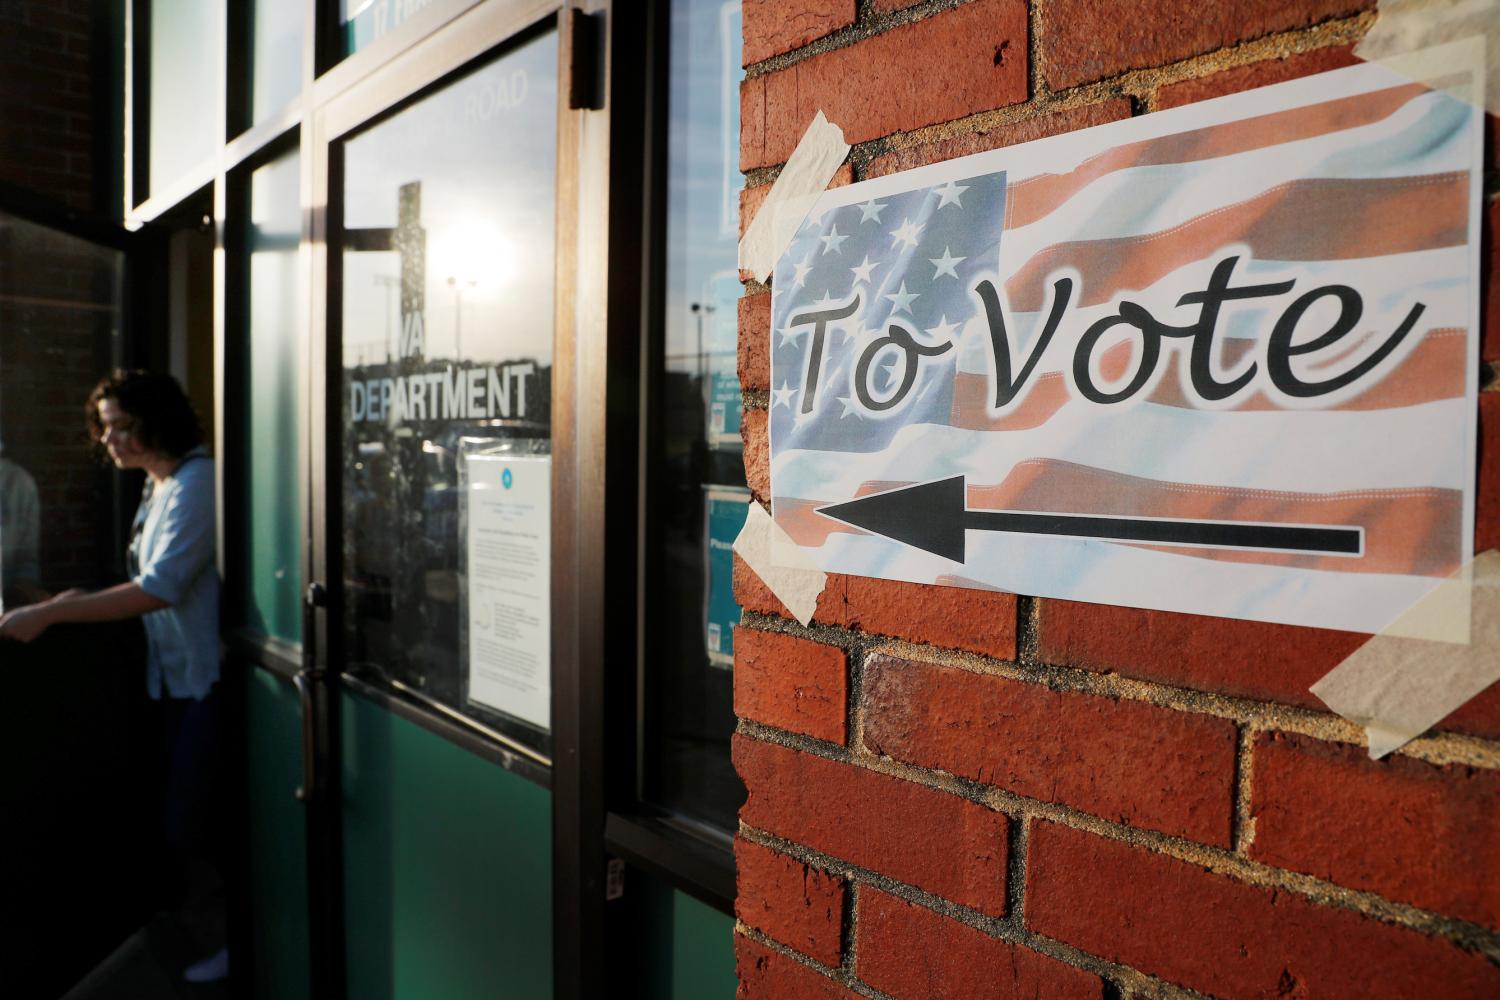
<point>432,690</point>
<point>448,276</point>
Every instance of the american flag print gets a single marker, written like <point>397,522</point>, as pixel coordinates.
<point>992,317</point>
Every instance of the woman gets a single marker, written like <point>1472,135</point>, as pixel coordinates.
<point>144,421</point>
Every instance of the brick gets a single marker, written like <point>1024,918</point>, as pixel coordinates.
<point>791,683</point>
<point>757,441</point>
<point>1487,509</point>
<point>935,841</point>
<point>1260,74</point>
<point>909,951</point>
<point>998,136</point>
<point>1087,40</point>
<point>978,621</point>
<point>1489,279</point>
<point>752,134</point>
<point>1125,761</point>
<point>1405,829</point>
<point>776,26</point>
<point>1228,656</point>
<point>946,66</point>
<point>789,902</point>
<point>1175,920</point>
<point>755,342</point>
<point>974,620</point>
<point>767,975</point>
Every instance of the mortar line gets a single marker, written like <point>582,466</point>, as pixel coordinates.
<point>1243,832</point>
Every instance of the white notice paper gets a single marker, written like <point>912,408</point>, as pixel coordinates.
<point>508,501</point>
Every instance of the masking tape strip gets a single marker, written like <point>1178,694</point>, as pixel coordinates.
<point>791,574</point>
<point>1397,685</point>
<point>799,185</point>
<point>1432,40</point>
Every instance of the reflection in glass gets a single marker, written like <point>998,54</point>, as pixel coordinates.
<point>367,21</point>
<point>701,478</point>
<point>275,56</point>
<point>59,333</point>
<point>187,45</point>
<point>272,372</point>
<point>447,347</point>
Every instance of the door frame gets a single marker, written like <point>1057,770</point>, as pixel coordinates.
<point>345,102</point>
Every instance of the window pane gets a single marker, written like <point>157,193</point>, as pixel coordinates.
<point>59,333</point>
<point>273,372</point>
<point>701,480</point>
<point>275,56</point>
<point>447,344</point>
<point>366,21</point>
<point>187,44</point>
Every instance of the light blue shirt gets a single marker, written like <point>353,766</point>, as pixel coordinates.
<point>172,557</point>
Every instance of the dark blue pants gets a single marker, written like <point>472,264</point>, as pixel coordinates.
<point>193,768</point>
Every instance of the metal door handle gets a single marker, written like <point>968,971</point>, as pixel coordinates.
<point>316,597</point>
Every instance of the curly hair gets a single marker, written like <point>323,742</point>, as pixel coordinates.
<point>164,420</point>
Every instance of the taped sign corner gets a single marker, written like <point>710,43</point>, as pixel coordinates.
<point>797,188</point>
<point>783,567</point>
<point>1429,41</point>
<point>1433,658</point>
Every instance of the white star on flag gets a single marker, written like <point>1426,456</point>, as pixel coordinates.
<point>782,396</point>
<point>788,335</point>
<point>832,240</point>
<point>943,332</point>
<point>849,407</point>
<point>946,264</point>
<point>948,194</point>
<point>902,300</point>
<point>870,210</point>
<point>907,233</point>
<point>890,372</point>
<point>802,270</point>
<point>862,272</point>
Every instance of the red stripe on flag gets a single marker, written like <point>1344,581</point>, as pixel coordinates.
<point>1315,219</point>
<point>1034,198</point>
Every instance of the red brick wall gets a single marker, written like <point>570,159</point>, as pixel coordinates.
<point>955,793</point>
<point>56,138</point>
<point>59,143</point>
<point>58,325</point>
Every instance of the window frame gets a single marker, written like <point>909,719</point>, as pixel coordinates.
<point>693,857</point>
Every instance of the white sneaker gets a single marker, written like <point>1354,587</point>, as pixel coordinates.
<point>209,970</point>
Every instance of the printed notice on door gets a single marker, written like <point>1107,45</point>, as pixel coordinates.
<point>507,501</point>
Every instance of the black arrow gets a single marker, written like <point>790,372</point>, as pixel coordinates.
<point>933,517</point>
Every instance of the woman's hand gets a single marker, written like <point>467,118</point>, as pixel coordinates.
<point>25,624</point>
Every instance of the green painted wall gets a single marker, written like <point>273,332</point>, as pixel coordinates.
<point>447,867</point>
<point>690,946</point>
<point>277,838</point>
